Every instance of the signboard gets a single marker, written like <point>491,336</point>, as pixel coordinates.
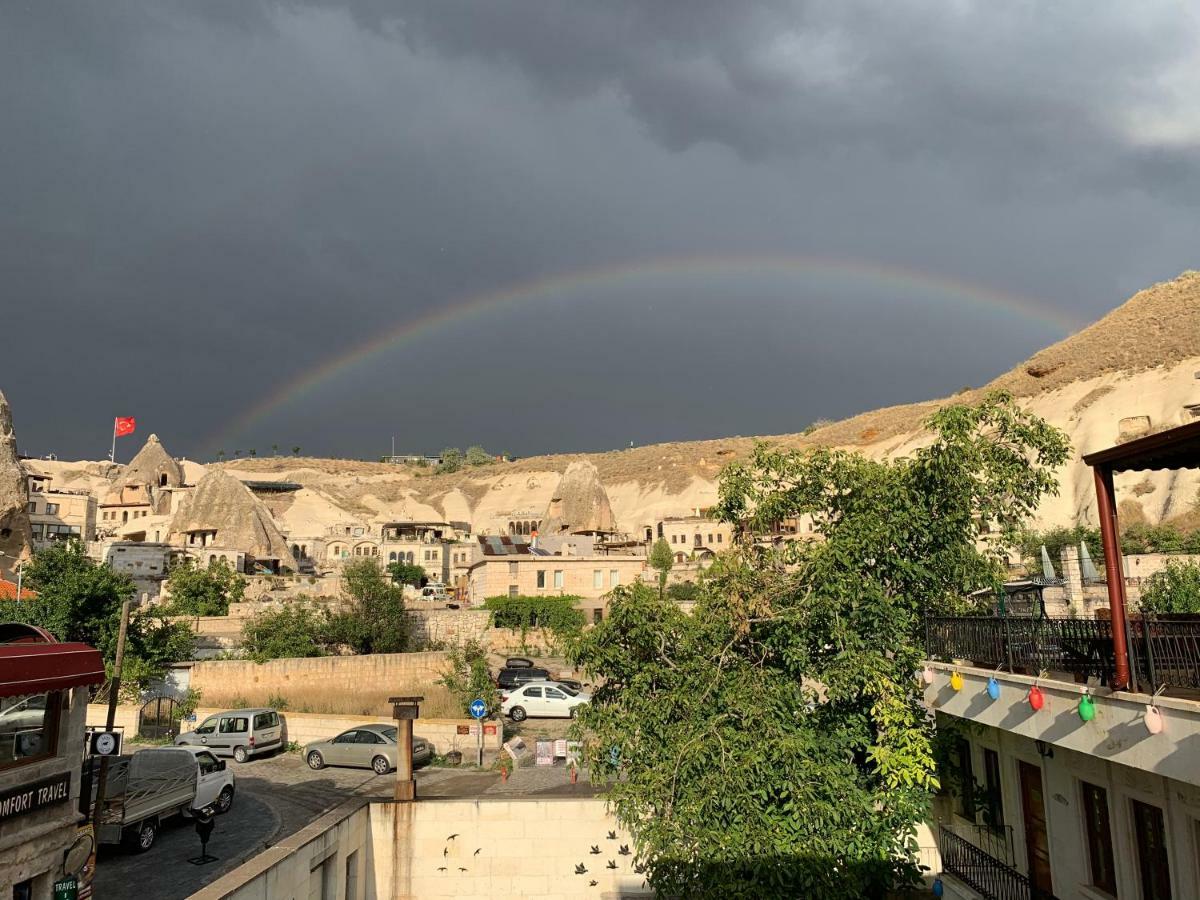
<point>66,888</point>
<point>515,748</point>
<point>462,729</point>
<point>489,729</point>
<point>104,743</point>
<point>475,730</point>
<point>545,753</point>
<point>478,708</point>
<point>32,797</point>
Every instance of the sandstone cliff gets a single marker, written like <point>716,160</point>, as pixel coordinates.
<point>15,536</point>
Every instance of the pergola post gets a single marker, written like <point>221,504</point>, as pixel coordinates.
<point>1114,570</point>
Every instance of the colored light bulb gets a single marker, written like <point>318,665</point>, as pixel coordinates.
<point>1153,720</point>
<point>1036,698</point>
<point>927,675</point>
<point>993,688</point>
<point>1087,708</point>
<point>956,681</point>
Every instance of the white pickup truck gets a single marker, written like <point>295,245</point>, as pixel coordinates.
<point>153,784</point>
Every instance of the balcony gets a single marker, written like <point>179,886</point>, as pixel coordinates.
<point>1162,652</point>
<point>984,873</point>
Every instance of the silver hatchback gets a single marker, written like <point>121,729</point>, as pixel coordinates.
<point>365,747</point>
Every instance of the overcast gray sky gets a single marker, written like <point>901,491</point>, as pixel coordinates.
<point>204,203</point>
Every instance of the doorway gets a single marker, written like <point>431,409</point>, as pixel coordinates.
<point>1037,841</point>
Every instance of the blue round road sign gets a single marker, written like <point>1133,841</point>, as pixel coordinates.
<point>478,708</point>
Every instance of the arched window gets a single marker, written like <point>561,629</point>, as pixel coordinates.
<point>679,557</point>
<point>212,559</point>
<point>162,480</point>
<point>392,556</point>
<point>295,549</point>
<point>410,558</point>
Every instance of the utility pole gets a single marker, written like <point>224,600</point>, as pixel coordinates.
<point>114,689</point>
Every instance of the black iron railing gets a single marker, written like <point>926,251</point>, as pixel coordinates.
<point>1161,651</point>
<point>983,873</point>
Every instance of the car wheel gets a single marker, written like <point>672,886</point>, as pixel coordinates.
<point>315,761</point>
<point>517,714</point>
<point>240,754</point>
<point>141,837</point>
<point>225,799</point>
<point>381,765</point>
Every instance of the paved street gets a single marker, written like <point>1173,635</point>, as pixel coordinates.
<point>278,796</point>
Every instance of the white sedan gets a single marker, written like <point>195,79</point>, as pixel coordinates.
<point>542,699</point>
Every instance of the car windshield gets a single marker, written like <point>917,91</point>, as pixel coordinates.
<point>389,733</point>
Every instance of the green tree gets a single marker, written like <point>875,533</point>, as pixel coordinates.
<point>1174,589</point>
<point>373,619</point>
<point>203,591</point>
<point>220,456</point>
<point>661,560</point>
<point>296,451</point>
<point>477,456</point>
<point>683,592</point>
<point>253,452</point>
<point>406,573</point>
<point>451,460</point>
<point>293,630</point>
<point>557,614</point>
<point>773,742</point>
<point>468,676</point>
<point>79,599</point>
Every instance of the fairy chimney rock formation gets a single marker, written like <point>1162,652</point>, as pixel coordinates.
<point>15,534</point>
<point>221,512</point>
<point>580,503</point>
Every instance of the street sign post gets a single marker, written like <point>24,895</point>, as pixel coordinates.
<point>478,710</point>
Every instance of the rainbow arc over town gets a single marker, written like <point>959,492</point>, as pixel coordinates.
<point>933,287</point>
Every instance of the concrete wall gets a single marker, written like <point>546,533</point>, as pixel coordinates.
<point>128,717</point>
<point>527,849</point>
<point>304,728</point>
<point>346,673</point>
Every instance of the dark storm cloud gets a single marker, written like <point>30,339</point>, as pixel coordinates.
<point>200,202</point>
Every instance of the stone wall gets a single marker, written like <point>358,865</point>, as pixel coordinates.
<point>447,627</point>
<point>339,673</point>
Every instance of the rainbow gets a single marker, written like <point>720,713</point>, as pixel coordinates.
<point>936,287</point>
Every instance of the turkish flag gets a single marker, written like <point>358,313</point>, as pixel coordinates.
<point>124,425</point>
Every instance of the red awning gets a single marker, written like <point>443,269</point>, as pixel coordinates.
<point>37,668</point>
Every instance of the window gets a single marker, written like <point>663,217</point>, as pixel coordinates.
<point>209,726</point>
<point>266,720</point>
<point>1098,831</point>
<point>993,813</point>
<point>558,578</point>
<point>541,578</point>
<point>208,763</point>
<point>719,537</point>
<point>1154,870</point>
<point>965,780</point>
<point>32,508</point>
<point>368,737</point>
<point>597,578</point>
<point>426,556</point>
<point>346,737</point>
<point>234,725</point>
<point>552,694</point>
<point>512,591</point>
<point>597,616</point>
<point>535,692</point>
<point>614,577</point>
<point>28,728</point>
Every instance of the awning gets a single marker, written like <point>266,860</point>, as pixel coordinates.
<point>37,668</point>
<point>1176,448</point>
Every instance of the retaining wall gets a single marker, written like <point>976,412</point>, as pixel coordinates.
<point>345,673</point>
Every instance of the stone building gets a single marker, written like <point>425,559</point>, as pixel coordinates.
<point>59,515</point>
<point>222,519</point>
<point>580,504</point>
<point>144,496</point>
<point>16,538</point>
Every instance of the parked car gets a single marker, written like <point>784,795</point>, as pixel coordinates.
<point>511,677</point>
<point>365,747</point>
<point>146,787</point>
<point>542,699</point>
<point>240,733</point>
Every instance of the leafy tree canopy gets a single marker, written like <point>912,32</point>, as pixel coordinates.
<point>451,460</point>
<point>80,600</point>
<point>662,558</point>
<point>373,620</point>
<point>295,629</point>
<point>477,456</point>
<point>468,676</point>
<point>196,590</point>
<point>773,743</point>
<point>1175,589</point>
<point>558,614</point>
<point>406,573</point>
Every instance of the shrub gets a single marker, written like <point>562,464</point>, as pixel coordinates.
<point>683,592</point>
<point>557,614</point>
<point>207,591</point>
<point>1175,589</point>
<point>294,630</point>
<point>277,701</point>
<point>467,677</point>
<point>373,620</point>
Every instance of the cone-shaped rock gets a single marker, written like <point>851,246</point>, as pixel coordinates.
<point>153,465</point>
<point>222,504</point>
<point>16,537</point>
<point>580,503</point>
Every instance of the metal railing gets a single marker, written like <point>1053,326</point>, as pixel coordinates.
<point>1161,651</point>
<point>983,873</point>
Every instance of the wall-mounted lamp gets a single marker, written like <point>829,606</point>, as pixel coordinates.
<point>1045,751</point>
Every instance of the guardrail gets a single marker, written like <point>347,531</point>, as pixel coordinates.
<point>1161,651</point>
<point>984,873</point>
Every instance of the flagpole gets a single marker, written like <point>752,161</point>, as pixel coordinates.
<point>112,457</point>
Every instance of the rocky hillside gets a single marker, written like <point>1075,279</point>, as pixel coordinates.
<point>1141,360</point>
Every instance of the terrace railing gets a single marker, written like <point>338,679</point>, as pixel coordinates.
<point>1161,651</point>
<point>983,873</point>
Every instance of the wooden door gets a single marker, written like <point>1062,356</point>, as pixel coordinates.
<point>1033,811</point>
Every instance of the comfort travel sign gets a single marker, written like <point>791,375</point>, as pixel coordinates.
<point>32,797</point>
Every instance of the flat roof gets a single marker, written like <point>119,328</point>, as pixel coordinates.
<point>1175,448</point>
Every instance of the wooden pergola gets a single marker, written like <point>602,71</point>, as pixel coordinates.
<point>1176,448</point>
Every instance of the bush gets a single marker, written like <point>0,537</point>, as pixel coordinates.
<point>557,614</point>
<point>683,592</point>
<point>292,631</point>
<point>467,677</point>
<point>1176,589</point>
<point>208,591</point>
<point>277,701</point>
<point>373,620</point>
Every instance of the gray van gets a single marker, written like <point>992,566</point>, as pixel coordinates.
<point>240,733</point>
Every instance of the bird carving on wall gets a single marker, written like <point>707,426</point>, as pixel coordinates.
<point>580,869</point>
<point>593,883</point>
<point>595,851</point>
<point>624,851</point>
<point>441,868</point>
<point>453,836</point>
<point>461,869</point>
<point>612,864</point>
<point>612,835</point>
<point>476,853</point>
